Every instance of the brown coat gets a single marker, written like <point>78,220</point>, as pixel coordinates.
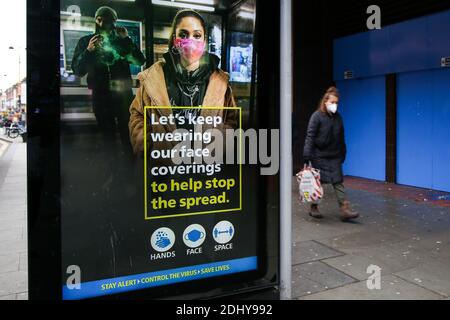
<point>153,92</point>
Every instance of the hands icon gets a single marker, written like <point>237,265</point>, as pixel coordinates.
<point>162,240</point>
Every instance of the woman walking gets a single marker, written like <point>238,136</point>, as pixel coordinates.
<point>326,150</point>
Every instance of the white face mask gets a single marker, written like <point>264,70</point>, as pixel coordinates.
<point>332,107</point>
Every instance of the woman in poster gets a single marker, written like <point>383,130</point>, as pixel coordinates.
<point>325,148</point>
<point>189,77</point>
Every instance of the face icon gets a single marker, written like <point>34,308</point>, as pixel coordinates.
<point>194,236</point>
<point>190,40</point>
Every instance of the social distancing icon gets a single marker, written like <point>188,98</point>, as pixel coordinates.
<point>223,232</point>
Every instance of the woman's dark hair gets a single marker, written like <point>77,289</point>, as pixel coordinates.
<point>177,19</point>
<point>331,91</point>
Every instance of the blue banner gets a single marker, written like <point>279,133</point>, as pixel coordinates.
<point>160,278</point>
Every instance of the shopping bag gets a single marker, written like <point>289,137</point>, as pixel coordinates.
<point>310,188</point>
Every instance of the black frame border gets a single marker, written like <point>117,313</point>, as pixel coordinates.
<point>44,172</point>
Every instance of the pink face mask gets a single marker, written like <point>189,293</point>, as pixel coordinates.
<point>191,50</point>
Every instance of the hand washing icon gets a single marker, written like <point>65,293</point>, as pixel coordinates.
<point>194,236</point>
<point>162,240</point>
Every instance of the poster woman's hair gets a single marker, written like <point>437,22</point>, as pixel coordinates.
<point>177,19</point>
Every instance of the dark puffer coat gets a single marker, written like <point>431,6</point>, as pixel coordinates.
<point>325,146</point>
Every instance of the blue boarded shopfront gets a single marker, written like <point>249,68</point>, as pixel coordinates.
<point>413,50</point>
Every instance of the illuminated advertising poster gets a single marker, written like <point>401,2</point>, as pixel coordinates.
<point>154,189</point>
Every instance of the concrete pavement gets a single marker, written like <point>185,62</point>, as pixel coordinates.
<point>402,230</point>
<point>408,239</point>
<point>13,227</point>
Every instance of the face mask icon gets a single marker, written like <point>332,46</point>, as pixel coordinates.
<point>194,235</point>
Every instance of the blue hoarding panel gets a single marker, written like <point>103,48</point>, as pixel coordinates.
<point>413,45</point>
<point>441,130</point>
<point>415,129</point>
<point>365,54</point>
<point>350,55</point>
<point>438,32</point>
<point>409,46</point>
<point>363,107</point>
<point>379,62</point>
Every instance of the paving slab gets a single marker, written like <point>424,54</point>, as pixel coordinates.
<point>391,259</point>
<point>25,234</point>
<point>22,296</point>
<point>302,286</point>
<point>13,246</point>
<point>436,246</point>
<point>11,186</point>
<point>359,241</point>
<point>9,262</point>
<point>402,236</point>
<point>17,172</point>
<point>323,274</point>
<point>3,146</point>
<point>308,251</point>
<point>399,256</point>
<point>15,179</point>
<point>403,216</point>
<point>12,205</point>
<point>392,288</point>
<point>17,215</point>
<point>11,224</point>
<point>23,261</point>
<point>432,276</point>
<point>20,212</point>
<point>11,197</point>
<point>10,233</point>
<point>306,228</point>
<point>13,282</point>
<point>356,265</point>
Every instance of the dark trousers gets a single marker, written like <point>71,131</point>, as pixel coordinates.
<point>111,110</point>
<point>339,190</point>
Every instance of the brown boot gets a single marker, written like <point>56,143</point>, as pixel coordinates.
<point>346,213</point>
<point>314,212</point>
